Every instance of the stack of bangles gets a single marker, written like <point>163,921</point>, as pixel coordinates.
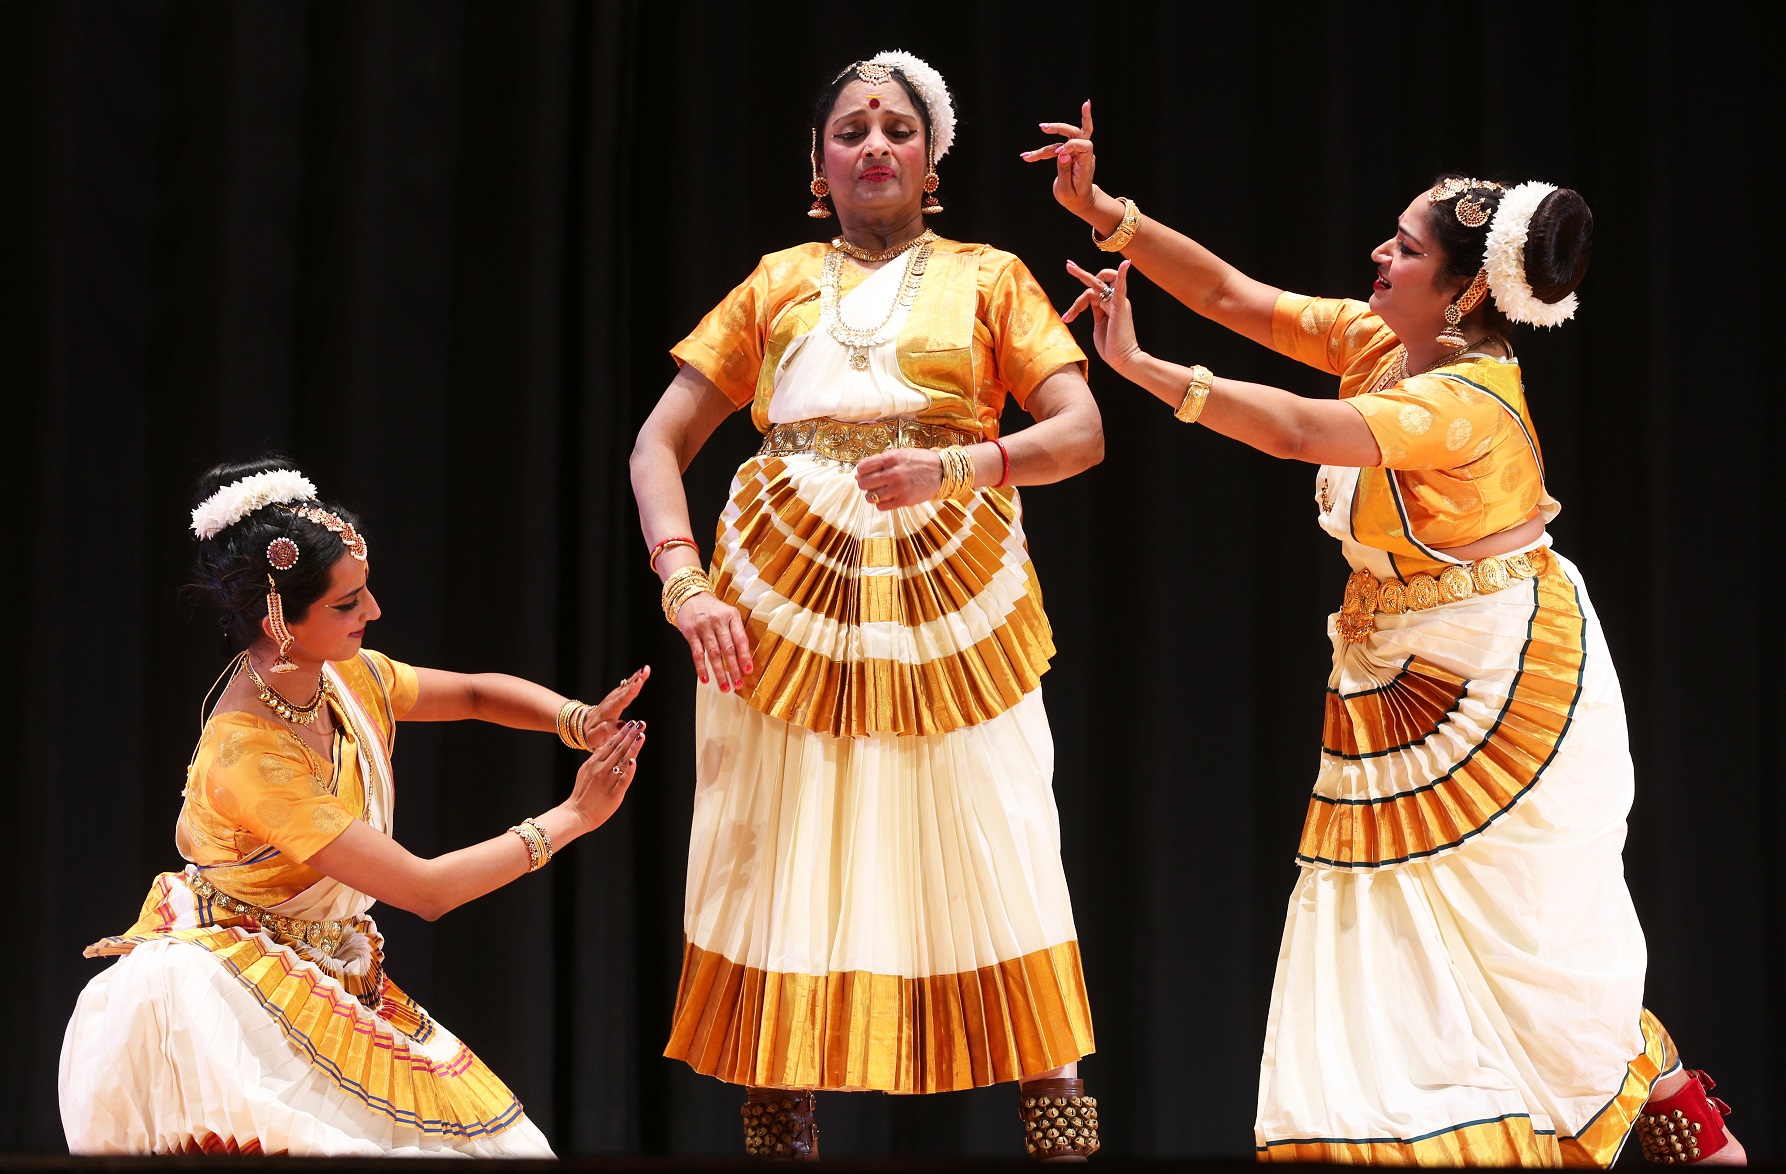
<point>958,473</point>
<point>570,724</point>
<point>682,586</point>
<point>539,844</point>
<point>1196,394</point>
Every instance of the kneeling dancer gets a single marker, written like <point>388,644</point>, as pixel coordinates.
<point>249,1010</point>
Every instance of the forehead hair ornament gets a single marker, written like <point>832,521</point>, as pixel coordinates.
<point>1472,210</point>
<point>350,537</point>
<point>1504,260</point>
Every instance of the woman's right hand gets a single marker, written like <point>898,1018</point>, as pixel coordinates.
<point>717,639</point>
<point>1113,320</point>
<point>1074,163</point>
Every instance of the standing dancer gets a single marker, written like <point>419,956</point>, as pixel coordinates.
<point>875,895</point>
<point>249,1011</point>
<point>1461,976</point>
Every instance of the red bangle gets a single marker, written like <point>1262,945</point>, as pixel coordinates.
<point>666,544</point>
<point>1005,455</point>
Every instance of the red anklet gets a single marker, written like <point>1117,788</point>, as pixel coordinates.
<point>1687,1127</point>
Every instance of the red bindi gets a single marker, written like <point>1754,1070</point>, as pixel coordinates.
<point>874,103</point>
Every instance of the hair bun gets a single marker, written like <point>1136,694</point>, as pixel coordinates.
<point>1558,245</point>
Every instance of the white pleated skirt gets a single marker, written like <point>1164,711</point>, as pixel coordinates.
<point>1461,975</point>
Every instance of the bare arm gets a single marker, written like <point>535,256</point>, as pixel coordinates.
<point>686,415</point>
<point>519,704</point>
<point>1274,421</point>
<point>1176,263</point>
<point>377,865</point>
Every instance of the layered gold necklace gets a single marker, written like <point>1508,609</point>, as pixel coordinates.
<point>857,340</point>
<point>862,254</point>
<point>1398,366</point>
<point>299,714</point>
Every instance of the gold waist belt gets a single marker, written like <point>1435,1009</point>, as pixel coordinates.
<point>840,440</point>
<point>1368,597</point>
<point>325,936</point>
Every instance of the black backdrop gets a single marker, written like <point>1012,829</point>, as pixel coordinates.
<point>436,251</point>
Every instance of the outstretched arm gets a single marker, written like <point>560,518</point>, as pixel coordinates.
<point>519,704</point>
<point>1176,263</point>
<point>1270,419</point>
<point>379,866</point>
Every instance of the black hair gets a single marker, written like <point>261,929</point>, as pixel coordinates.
<point>232,567</point>
<point>1559,242</point>
<point>827,101</point>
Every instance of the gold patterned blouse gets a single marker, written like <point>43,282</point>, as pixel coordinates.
<point>980,329</point>
<point>1459,456</point>
<point>260,802</point>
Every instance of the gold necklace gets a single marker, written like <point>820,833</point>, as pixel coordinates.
<point>1398,366</point>
<point>862,254</point>
<point>857,340</point>
<point>303,715</point>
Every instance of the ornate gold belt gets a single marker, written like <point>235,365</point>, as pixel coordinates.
<point>840,440</point>
<point>1368,597</point>
<point>325,936</point>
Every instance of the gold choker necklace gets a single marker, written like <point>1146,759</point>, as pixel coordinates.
<point>862,254</point>
<point>303,715</point>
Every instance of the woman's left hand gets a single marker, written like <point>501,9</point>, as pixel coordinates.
<point>1113,320</point>
<point>601,720</point>
<point>900,477</point>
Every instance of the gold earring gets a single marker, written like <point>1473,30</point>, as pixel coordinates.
<point>931,183</point>
<point>276,621</point>
<point>819,187</point>
<point>1455,313</point>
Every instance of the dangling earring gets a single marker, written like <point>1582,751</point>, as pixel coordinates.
<point>281,633</point>
<point>1455,313</point>
<point>931,183</point>
<point>819,187</point>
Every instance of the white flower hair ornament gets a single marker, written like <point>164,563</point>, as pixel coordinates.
<point>1504,258</point>
<point>238,499</point>
<point>931,90</point>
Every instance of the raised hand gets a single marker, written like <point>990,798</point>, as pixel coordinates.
<point>601,720</point>
<point>605,775</point>
<point>1073,162</point>
<point>1113,320</point>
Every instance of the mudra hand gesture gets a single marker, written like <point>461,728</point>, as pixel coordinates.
<point>605,775</point>
<point>900,477</point>
<point>1113,320</point>
<point>1074,162</point>
<point>600,721</point>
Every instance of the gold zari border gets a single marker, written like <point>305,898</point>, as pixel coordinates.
<point>1488,780</point>
<point>864,1031</point>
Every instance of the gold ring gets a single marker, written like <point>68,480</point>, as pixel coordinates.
<point>1106,292</point>
<point>872,496</point>
<point>617,770</point>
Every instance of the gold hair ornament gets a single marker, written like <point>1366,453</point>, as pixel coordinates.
<point>1472,210</point>
<point>820,186</point>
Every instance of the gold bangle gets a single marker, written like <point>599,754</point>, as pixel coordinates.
<point>570,724</point>
<point>530,837</point>
<point>682,586</point>
<point>545,839</point>
<point>1196,394</point>
<point>958,473</point>
<point>1119,240</point>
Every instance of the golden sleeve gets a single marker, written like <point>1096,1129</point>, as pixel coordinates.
<point>398,679</point>
<point>1029,341</point>
<point>1427,422</point>
<point>1325,333</point>
<point>727,346</point>
<point>274,789</point>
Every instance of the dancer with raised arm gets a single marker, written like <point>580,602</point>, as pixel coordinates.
<point>249,1010</point>
<point>875,895</point>
<point>1461,975</point>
